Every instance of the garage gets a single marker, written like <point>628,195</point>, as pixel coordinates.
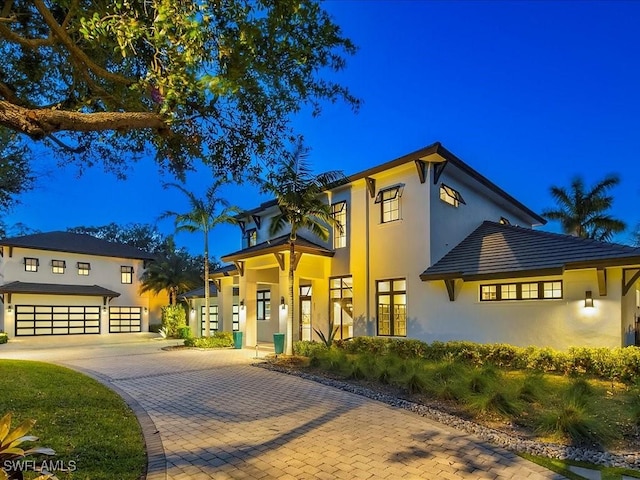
<point>56,320</point>
<point>125,319</point>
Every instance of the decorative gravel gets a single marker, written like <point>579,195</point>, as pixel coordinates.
<point>508,441</point>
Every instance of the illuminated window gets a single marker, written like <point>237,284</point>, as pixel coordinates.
<point>31,264</point>
<point>341,305</point>
<point>252,237</point>
<point>58,266</point>
<point>213,320</point>
<point>450,196</point>
<point>521,291</point>
<point>392,307</point>
<point>389,200</point>
<point>264,305</point>
<point>339,214</point>
<point>126,274</point>
<point>83,268</point>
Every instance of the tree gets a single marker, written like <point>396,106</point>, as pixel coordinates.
<point>205,214</point>
<point>140,235</point>
<point>173,270</point>
<point>216,81</point>
<point>15,173</point>
<point>300,197</point>
<point>582,212</point>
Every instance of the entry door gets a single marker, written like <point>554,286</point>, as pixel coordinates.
<point>306,331</point>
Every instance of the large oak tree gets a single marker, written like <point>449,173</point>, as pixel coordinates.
<point>214,80</point>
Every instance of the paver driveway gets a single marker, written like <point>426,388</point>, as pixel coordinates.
<point>218,417</point>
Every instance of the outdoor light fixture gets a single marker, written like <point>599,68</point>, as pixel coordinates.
<point>242,304</point>
<point>9,308</point>
<point>104,308</point>
<point>146,310</point>
<point>588,299</point>
<point>282,304</point>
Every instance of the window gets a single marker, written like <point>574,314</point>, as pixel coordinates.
<point>264,305</point>
<point>339,214</point>
<point>31,264</point>
<point>252,237</point>
<point>450,196</point>
<point>389,200</point>
<point>58,266</point>
<point>235,317</point>
<point>83,268</point>
<point>213,320</point>
<point>392,307</point>
<point>126,274</point>
<point>521,291</point>
<point>341,305</point>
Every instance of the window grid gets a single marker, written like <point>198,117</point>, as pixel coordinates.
<point>252,237</point>
<point>31,264</point>
<point>545,290</point>
<point>389,200</point>
<point>263,305</point>
<point>450,196</point>
<point>213,320</point>
<point>126,274</point>
<point>58,266</point>
<point>83,268</point>
<point>339,214</point>
<point>392,307</point>
<point>341,305</point>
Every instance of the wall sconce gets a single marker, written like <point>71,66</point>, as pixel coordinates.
<point>242,304</point>
<point>193,310</point>
<point>588,299</point>
<point>146,310</point>
<point>9,308</point>
<point>104,308</point>
<point>282,304</point>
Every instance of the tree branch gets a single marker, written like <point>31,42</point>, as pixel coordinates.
<point>73,49</point>
<point>31,43</point>
<point>39,123</point>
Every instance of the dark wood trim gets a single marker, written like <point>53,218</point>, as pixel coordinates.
<point>422,170</point>
<point>217,282</point>
<point>438,168</point>
<point>243,226</point>
<point>602,281</point>
<point>371,186</point>
<point>627,282</point>
<point>450,283</point>
<point>240,266</point>
<point>296,259</point>
<point>257,220</point>
<point>280,259</point>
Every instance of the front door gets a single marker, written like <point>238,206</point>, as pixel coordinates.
<point>306,331</point>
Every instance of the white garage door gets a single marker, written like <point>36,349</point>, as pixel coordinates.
<point>56,320</point>
<point>125,319</point>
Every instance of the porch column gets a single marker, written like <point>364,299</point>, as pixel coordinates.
<point>248,313</point>
<point>284,313</point>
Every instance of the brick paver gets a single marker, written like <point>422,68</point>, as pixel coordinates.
<point>218,417</point>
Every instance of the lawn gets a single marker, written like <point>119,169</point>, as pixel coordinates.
<point>83,421</point>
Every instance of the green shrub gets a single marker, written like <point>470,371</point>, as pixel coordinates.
<point>217,340</point>
<point>4,338</point>
<point>533,388</point>
<point>308,349</point>
<point>494,401</point>
<point>173,317</point>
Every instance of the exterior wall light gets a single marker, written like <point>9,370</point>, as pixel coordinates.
<point>588,299</point>
<point>242,304</point>
<point>282,304</point>
<point>146,310</point>
<point>9,308</point>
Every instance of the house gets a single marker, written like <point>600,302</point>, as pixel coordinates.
<point>196,307</point>
<point>431,249</point>
<point>62,283</point>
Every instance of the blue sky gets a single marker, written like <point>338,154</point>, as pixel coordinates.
<point>530,94</point>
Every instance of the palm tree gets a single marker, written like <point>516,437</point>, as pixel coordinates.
<point>205,214</point>
<point>299,194</point>
<point>172,270</point>
<point>584,213</point>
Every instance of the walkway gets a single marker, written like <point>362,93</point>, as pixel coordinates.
<point>217,417</point>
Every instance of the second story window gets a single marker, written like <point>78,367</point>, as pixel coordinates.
<point>450,196</point>
<point>252,237</point>
<point>389,200</point>
<point>31,264</point>
<point>339,214</point>
<point>83,268</point>
<point>126,274</point>
<point>58,266</point>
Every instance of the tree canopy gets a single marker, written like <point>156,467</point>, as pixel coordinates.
<point>211,80</point>
<point>16,176</point>
<point>584,213</point>
<point>140,235</point>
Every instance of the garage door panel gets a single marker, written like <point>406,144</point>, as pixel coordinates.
<point>56,320</point>
<point>125,319</point>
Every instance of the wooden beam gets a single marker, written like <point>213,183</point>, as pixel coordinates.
<point>257,220</point>
<point>280,259</point>
<point>437,171</point>
<point>371,186</point>
<point>296,259</point>
<point>243,226</point>
<point>217,283</point>
<point>602,281</point>
<point>240,266</point>
<point>422,170</point>
<point>629,278</point>
<point>450,283</point>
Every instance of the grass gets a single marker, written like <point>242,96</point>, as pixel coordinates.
<point>562,467</point>
<point>82,420</point>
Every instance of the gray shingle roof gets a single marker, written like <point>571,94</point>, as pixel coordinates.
<point>277,244</point>
<point>199,292</point>
<point>57,289</point>
<point>76,243</point>
<point>499,251</point>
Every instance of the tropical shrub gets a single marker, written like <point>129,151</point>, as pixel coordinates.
<point>173,317</point>
<point>217,340</point>
<point>4,338</point>
<point>306,348</point>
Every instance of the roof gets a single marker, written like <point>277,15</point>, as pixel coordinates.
<point>437,149</point>
<point>494,251</point>
<point>199,292</point>
<point>279,244</point>
<point>57,289</point>
<point>76,243</point>
<point>224,271</point>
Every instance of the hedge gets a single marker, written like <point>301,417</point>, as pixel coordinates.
<point>4,338</point>
<point>611,363</point>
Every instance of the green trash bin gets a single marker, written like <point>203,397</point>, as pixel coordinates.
<point>237,339</point>
<point>278,343</point>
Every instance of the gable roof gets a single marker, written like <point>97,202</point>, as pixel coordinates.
<point>76,243</point>
<point>279,244</point>
<point>57,289</point>
<point>501,251</point>
<point>199,292</point>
